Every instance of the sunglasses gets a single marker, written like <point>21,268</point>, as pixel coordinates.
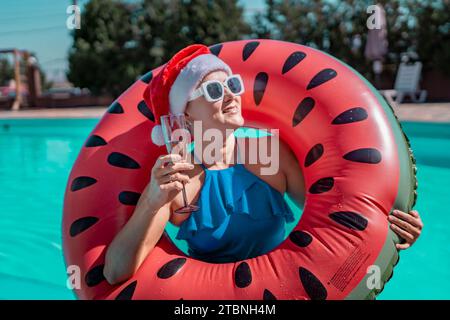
<point>213,90</point>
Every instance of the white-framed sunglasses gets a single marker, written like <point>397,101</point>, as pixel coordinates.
<point>214,90</point>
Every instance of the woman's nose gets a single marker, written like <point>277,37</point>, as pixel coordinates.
<point>227,93</point>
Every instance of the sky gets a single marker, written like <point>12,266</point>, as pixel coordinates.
<point>39,26</point>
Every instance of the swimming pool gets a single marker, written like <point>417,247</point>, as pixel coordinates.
<point>37,155</point>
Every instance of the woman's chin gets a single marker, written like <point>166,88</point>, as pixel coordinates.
<point>234,120</point>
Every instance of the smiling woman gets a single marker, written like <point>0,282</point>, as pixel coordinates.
<point>340,146</point>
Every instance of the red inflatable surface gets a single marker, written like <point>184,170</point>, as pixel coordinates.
<point>343,139</point>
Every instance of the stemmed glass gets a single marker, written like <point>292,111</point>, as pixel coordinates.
<point>176,138</point>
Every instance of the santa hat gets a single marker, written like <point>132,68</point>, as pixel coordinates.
<point>169,91</point>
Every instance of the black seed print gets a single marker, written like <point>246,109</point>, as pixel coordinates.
<point>243,275</point>
<point>350,220</point>
<point>314,154</point>
<point>350,116</point>
<point>95,141</point>
<point>322,77</point>
<point>121,160</point>
<point>170,268</point>
<point>249,48</point>
<point>313,287</point>
<point>303,109</point>
<point>294,59</point>
<point>129,198</point>
<point>94,276</point>
<point>267,295</point>
<point>82,182</point>
<point>145,110</point>
<point>260,87</point>
<point>127,292</point>
<point>364,155</point>
<point>116,107</point>
<point>80,225</point>
<point>300,238</point>
<point>147,77</point>
<point>322,185</point>
<point>215,49</point>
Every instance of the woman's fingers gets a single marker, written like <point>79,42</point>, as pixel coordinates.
<point>174,177</point>
<point>402,246</point>
<point>175,185</point>
<point>163,160</point>
<point>412,218</point>
<point>172,168</point>
<point>414,213</point>
<point>408,227</point>
<point>402,233</point>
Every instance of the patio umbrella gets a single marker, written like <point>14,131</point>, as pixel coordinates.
<point>377,43</point>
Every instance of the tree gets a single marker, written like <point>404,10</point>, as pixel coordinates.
<point>433,41</point>
<point>117,41</point>
<point>102,56</point>
<point>166,26</point>
<point>332,26</point>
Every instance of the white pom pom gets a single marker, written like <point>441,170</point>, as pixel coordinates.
<point>157,135</point>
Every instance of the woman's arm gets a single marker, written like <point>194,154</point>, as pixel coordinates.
<point>144,229</point>
<point>133,243</point>
<point>295,183</point>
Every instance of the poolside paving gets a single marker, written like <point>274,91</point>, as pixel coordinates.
<point>425,112</point>
<point>90,112</point>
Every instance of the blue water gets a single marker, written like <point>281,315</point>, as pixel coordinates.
<point>37,155</point>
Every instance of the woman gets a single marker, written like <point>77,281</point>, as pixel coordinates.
<point>236,201</point>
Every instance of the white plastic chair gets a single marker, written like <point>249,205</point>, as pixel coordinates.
<point>406,84</point>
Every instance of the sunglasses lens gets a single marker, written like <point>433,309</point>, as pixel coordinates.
<point>215,90</point>
<point>234,84</point>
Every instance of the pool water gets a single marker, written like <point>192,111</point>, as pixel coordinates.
<point>35,161</point>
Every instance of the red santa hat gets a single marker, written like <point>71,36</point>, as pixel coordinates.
<point>169,91</point>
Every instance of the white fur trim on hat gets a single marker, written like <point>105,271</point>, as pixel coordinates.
<point>190,76</point>
<point>157,135</point>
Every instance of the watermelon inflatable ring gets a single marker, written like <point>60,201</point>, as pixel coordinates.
<point>356,162</point>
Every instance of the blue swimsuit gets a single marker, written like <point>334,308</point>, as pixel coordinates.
<point>240,217</point>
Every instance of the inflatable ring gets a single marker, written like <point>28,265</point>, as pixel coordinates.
<point>354,155</point>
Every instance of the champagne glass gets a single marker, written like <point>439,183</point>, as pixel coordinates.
<point>176,138</point>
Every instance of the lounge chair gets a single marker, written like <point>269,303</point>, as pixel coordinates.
<point>406,84</point>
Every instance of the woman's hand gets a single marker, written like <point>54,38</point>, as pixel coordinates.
<point>145,227</point>
<point>407,226</point>
<point>166,180</point>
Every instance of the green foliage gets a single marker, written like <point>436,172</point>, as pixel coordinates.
<point>117,42</point>
<point>433,34</point>
<point>413,25</point>
<point>101,58</point>
<point>6,71</point>
<point>166,26</point>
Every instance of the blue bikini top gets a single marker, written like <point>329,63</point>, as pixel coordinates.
<point>240,216</point>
